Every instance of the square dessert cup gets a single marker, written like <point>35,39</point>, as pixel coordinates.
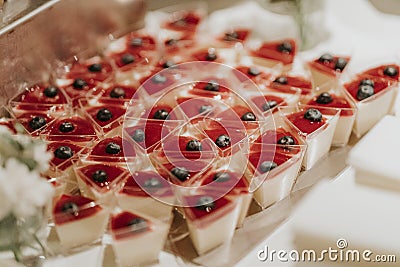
<point>335,97</point>
<point>295,79</point>
<point>115,94</point>
<point>78,88</point>
<point>104,116</point>
<point>272,53</point>
<point>7,120</point>
<point>272,171</point>
<point>137,239</point>
<point>211,219</point>
<point>146,134</point>
<point>43,97</point>
<point>316,125</point>
<point>100,180</point>
<point>147,192</point>
<point>79,221</point>
<point>96,68</point>
<point>229,180</point>
<point>371,105</point>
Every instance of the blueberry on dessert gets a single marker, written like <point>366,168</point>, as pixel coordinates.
<point>313,115</point>
<point>117,92</point>
<point>168,63</point>
<point>266,166</point>
<point>137,42</point>
<point>63,152</point>
<point>181,173</point>
<point>367,82</point>
<point>138,225</point>
<point>365,91</point>
<point>205,108</point>
<point>286,140</point>
<point>221,177</point>
<point>194,145</point>
<point>66,127</point>
<point>253,71</point>
<point>96,67</point>
<point>113,148</point>
<point>212,86</point>
<point>205,203</point>
<point>248,116</point>
<point>326,58</point>
<point>104,115</point>
<point>158,78</point>
<point>223,141</point>
<point>390,71</point>
<point>211,56</point>
<point>269,105</point>
<point>70,208</point>
<point>37,122</point>
<point>161,114</point>
<point>285,47</point>
<point>171,42</point>
<point>138,135</point>
<point>231,36</point>
<point>340,64</point>
<point>100,176</point>
<point>324,98</point>
<point>50,91</point>
<point>127,59</point>
<point>281,80</point>
<point>79,84</point>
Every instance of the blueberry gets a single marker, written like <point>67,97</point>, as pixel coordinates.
<point>96,67</point>
<point>113,148</point>
<point>168,63</point>
<point>222,177</point>
<point>194,145</point>
<point>211,56</point>
<point>324,98</point>
<point>326,58</point>
<point>231,36</point>
<point>158,78</point>
<point>340,64</point>
<point>180,22</point>
<point>51,91</point>
<point>37,122</point>
<point>70,208</point>
<point>181,173</point>
<point>367,82</point>
<point>138,135</point>
<point>127,59</point>
<point>161,114</point>
<point>223,141</point>
<point>285,47</point>
<point>205,203</point>
<point>212,86</point>
<point>253,71</point>
<point>100,176</point>
<point>266,166</point>
<point>152,183</point>
<point>365,91</point>
<point>137,42</point>
<point>117,92</point>
<point>269,105</point>
<point>171,42</point>
<point>63,152</point>
<point>390,71</point>
<point>249,116</point>
<point>205,108</point>
<point>138,224</point>
<point>104,115</point>
<point>66,127</point>
<point>313,115</point>
<point>286,140</point>
<point>79,84</point>
<point>281,80</point>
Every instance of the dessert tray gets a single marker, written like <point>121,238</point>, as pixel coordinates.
<point>190,138</point>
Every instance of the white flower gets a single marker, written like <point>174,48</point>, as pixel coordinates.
<point>4,129</point>
<point>42,156</point>
<point>25,190</point>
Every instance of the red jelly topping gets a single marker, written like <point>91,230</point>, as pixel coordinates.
<point>272,136</point>
<point>116,113</point>
<point>379,72</point>
<point>329,67</point>
<point>157,82</point>
<point>184,21</point>
<point>25,119</point>
<point>76,93</point>
<point>193,106</point>
<point>35,95</point>
<point>270,50</point>
<point>175,144</point>
<point>262,77</point>
<point>59,162</point>
<point>85,209</point>
<point>214,129</point>
<point>257,157</point>
<point>238,35</point>
<point>122,225</point>
<point>146,43</point>
<point>193,166</point>
<point>304,125</point>
<point>337,102</point>
<point>136,185</point>
<point>118,155</point>
<point>380,84</point>
<point>206,55</point>
<point>82,70</point>
<point>195,213</point>
<point>294,81</point>
<point>235,184</point>
<point>80,127</point>
<point>112,173</point>
<point>261,101</point>
<point>109,96</point>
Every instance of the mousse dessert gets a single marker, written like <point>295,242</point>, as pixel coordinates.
<point>105,116</point>
<point>270,54</point>
<point>93,68</point>
<point>285,83</point>
<point>113,149</point>
<point>78,88</point>
<point>388,71</point>
<point>33,122</point>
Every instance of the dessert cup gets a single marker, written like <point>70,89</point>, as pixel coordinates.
<point>78,88</point>
<point>33,122</point>
<point>318,130</point>
<point>115,94</point>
